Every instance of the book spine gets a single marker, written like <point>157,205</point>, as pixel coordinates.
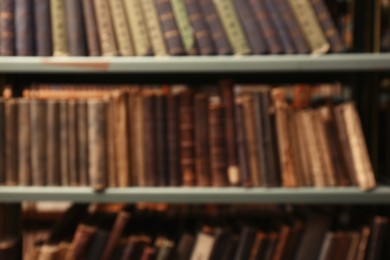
<point>161,140</point>
<point>75,28</point>
<point>113,178</point>
<point>52,143</point>
<point>149,118</point>
<point>232,26</point>
<point>38,142</point>
<point>58,28</point>
<point>137,24</point>
<point>186,116</point>
<point>82,141</point>
<point>245,174</point>
<point>11,164</point>
<point>64,150</point>
<point>115,234</point>
<point>23,29</point>
<point>97,143</point>
<point>153,27</point>
<point>91,30</point>
<point>173,140</point>
<point>139,135</point>
<point>42,28</point>
<point>202,34</point>
<point>215,27</point>
<point>327,24</point>
<point>7,34</point>
<point>202,156</point>
<point>169,27</point>
<point>105,28</point>
<point>24,143</point>
<point>121,28</point>
<point>72,143</point>
<point>2,141</point>
<point>81,240</point>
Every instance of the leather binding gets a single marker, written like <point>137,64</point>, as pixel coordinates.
<point>218,160</point>
<point>105,28</point>
<point>91,30</point>
<point>273,239</point>
<point>130,117</point>
<point>134,247</point>
<point>153,28</point>
<point>11,130</point>
<point>256,39</point>
<point>218,34</point>
<point>243,158</point>
<point>81,240</point>
<point>294,240</point>
<point>169,28</point>
<point>232,26</point>
<point>342,247</point>
<point>38,142</point>
<point>121,28</point>
<point>72,143</point>
<point>149,253</point>
<point>139,133</point>
<point>64,136</point>
<point>284,237</point>
<point>149,104</point>
<point>265,24</point>
<point>353,246</point>
<point>97,143</point>
<point>203,246</point>
<point>292,26</point>
<point>363,243</point>
<point>228,97</point>
<point>187,145</point>
<point>202,156</point>
<point>112,172</point>
<point>184,247</point>
<point>328,26</point>
<point>245,244</point>
<point>202,34</point>
<point>280,28</point>
<point>7,28</point>
<point>58,28</point>
<point>24,142</point>
<point>329,246</point>
<point>222,239</point>
<point>23,30</point>
<point>75,28</point>
<point>174,138</point>
<point>376,244</point>
<point>97,245</point>
<point>186,30</point>
<point>2,141</point>
<point>161,139</point>
<point>53,141</point>
<point>42,29</point>
<point>82,141</point>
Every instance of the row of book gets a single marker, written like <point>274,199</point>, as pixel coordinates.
<point>267,234</point>
<point>166,27</point>
<point>121,136</point>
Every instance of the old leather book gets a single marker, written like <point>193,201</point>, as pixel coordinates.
<point>23,31</point>
<point>149,253</point>
<point>75,28</point>
<point>2,141</point>
<point>53,143</point>
<point>11,137</point>
<point>80,243</point>
<point>273,239</point>
<point>91,30</point>
<point>329,246</point>
<point>64,136</point>
<point>353,245</point>
<point>363,243</point>
<point>82,142</point>
<point>376,244</point>
<point>23,142</point>
<point>97,245</point>
<point>243,158</point>
<point>112,180</point>
<point>343,245</point>
<point>105,27</point>
<point>59,31</point>
<point>139,152</point>
<point>134,247</point>
<point>7,26</point>
<point>218,34</point>
<point>245,244</point>
<point>42,28</point>
<point>48,252</point>
<point>161,139</point>
<point>169,28</point>
<point>149,122</point>
<point>285,235</point>
<point>259,246</point>
<point>221,244</point>
<point>184,247</point>
<point>121,28</point>
<point>72,143</point>
<point>203,246</point>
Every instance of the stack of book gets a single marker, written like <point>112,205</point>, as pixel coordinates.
<point>243,135</point>
<point>166,27</point>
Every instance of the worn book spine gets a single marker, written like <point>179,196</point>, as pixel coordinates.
<point>131,130</point>
<point>64,135</point>
<point>162,140</point>
<point>246,240</point>
<point>7,28</point>
<point>97,143</point>
<point>202,156</point>
<point>53,143</point>
<point>363,243</point>
<point>82,141</point>
<point>187,153</point>
<point>24,143</point>
<point>75,28</point>
<point>271,247</point>
<point>376,244</point>
<point>23,29</point>
<point>58,28</point>
<point>105,28</point>
<point>72,143</point>
<point>121,28</point>
<point>11,132</point>
<point>112,180</point>
<point>284,237</point>
<point>120,223</point>
<point>81,240</point>
<point>154,28</point>
<point>97,245</point>
<point>215,27</point>
<point>241,140</point>
<point>42,28</point>
<point>169,27</point>
<point>259,246</point>
<point>203,246</point>
<point>91,30</point>
<point>38,142</point>
<point>173,140</point>
<point>201,31</point>
<point>232,26</point>
<point>139,133</point>
<point>256,39</point>
<point>149,253</point>
<point>150,157</point>
<point>2,141</point>
<point>138,28</point>
<point>328,26</point>
<point>328,248</point>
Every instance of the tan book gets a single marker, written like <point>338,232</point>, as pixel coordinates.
<point>72,143</point>
<point>353,246</point>
<point>11,137</point>
<point>63,128</point>
<point>203,247</point>
<point>81,240</point>
<point>112,179</point>
<point>58,28</point>
<point>105,28</point>
<point>24,143</point>
<point>82,142</point>
<point>2,141</point>
<point>363,243</point>
<point>53,143</point>
<point>139,149</point>
<point>48,252</point>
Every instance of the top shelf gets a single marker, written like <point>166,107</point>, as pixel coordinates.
<point>198,64</point>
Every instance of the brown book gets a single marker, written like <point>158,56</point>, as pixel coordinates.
<point>42,28</point>
<point>7,28</point>
<point>342,245</point>
<point>97,245</point>
<point>120,222</point>
<point>202,156</point>
<point>105,28</point>
<point>72,143</point>
<point>38,142</point>
<point>134,247</point>
<point>294,239</point>
<point>221,244</point>
<point>353,245</point>
<point>112,179</point>
<point>149,253</point>
<point>82,142</point>
<point>23,142</point>
<point>64,135</point>
<point>329,246</point>
<point>97,143</point>
<point>58,28</point>
<point>2,141</point>
<point>203,246</point>
<point>49,252</point>
<point>75,27</point>
<point>173,140</point>
<point>243,158</point>
<point>139,151</point>
<point>121,28</point>
<point>53,143</point>
<point>245,244</point>
<point>376,244</point>
<point>363,243</point>
<point>10,249</point>
<point>11,145</point>
<point>149,122</point>
<point>23,31</point>
<point>273,239</point>
<point>281,248</point>
<point>259,246</point>
<point>81,240</point>
<point>161,129</point>
<point>91,30</point>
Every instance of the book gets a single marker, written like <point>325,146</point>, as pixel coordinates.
<point>81,240</point>
<point>149,138</point>
<point>161,130</point>
<point>64,135</point>
<point>105,27</point>
<point>75,28</point>
<point>72,143</point>
<point>242,148</point>
<point>97,245</point>
<point>53,143</point>
<point>203,246</point>
<point>184,247</point>
<point>91,30</point>
<point>24,143</point>
<point>7,28</point>
<point>139,150</point>
<point>59,28</point>
<point>2,141</point>
<point>173,124</point>
<point>42,28</point>
<point>246,240</point>
<point>82,142</point>
<point>113,178</point>
<point>23,33</point>
<point>11,135</point>
<point>379,231</point>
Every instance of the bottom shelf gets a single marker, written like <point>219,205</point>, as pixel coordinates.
<point>339,195</point>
